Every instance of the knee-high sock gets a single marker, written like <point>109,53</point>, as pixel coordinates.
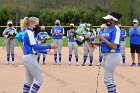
<point>111,88</point>
<point>55,57</point>
<point>100,58</point>
<point>76,58</point>
<point>8,57</point>
<point>35,87</point>
<point>70,56</point>
<point>91,60</point>
<point>85,58</point>
<point>123,59</point>
<point>59,57</point>
<point>12,55</point>
<point>38,59</point>
<point>26,88</point>
<point>44,59</point>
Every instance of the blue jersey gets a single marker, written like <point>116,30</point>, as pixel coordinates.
<point>71,39</point>
<point>134,35</point>
<point>30,44</point>
<point>40,35</point>
<point>123,32</point>
<point>60,29</point>
<point>8,29</point>
<point>112,35</point>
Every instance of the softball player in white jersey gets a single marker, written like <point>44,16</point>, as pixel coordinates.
<point>10,43</point>
<point>88,51</point>
<point>57,34</point>
<point>72,45</point>
<point>31,49</point>
<point>110,48</point>
<point>123,42</point>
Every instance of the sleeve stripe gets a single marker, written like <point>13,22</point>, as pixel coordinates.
<point>31,38</point>
<point>63,31</point>
<point>117,37</point>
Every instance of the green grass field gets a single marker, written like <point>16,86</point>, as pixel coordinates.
<point>65,41</point>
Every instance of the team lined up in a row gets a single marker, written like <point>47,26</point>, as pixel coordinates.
<point>57,34</point>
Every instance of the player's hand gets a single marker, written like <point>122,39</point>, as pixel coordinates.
<point>53,46</point>
<point>11,37</point>
<point>101,37</point>
<point>123,36</point>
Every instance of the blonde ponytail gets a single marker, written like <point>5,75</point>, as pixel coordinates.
<point>26,22</point>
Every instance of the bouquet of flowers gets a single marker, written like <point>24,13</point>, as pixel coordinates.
<point>12,33</point>
<point>83,33</point>
<point>45,37</point>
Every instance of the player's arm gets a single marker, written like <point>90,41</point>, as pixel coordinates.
<point>138,31</point>
<point>115,39</point>
<point>4,32</point>
<point>68,34</point>
<point>124,36</point>
<point>111,45</point>
<point>52,32</point>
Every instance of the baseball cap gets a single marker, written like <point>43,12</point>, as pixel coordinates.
<point>135,21</point>
<point>9,22</point>
<point>71,24</point>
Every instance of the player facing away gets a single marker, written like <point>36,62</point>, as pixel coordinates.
<point>57,33</point>
<point>134,33</point>
<point>72,45</point>
<point>31,50</point>
<point>9,42</point>
<point>42,41</point>
<point>122,42</point>
<point>110,47</point>
<point>87,51</point>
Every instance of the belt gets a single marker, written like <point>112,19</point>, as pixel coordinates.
<point>30,53</point>
<point>57,38</point>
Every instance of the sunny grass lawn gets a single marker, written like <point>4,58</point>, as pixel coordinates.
<point>65,41</point>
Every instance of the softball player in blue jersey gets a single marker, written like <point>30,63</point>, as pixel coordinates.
<point>102,29</point>
<point>72,45</point>
<point>110,47</point>
<point>87,51</point>
<point>134,33</point>
<point>10,43</point>
<point>123,42</point>
<point>31,49</point>
<point>57,34</point>
<point>42,41</point>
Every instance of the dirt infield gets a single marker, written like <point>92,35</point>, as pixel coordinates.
<point>68,79</point>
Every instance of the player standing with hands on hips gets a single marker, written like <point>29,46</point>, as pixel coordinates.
<point>134,33</point>
<point>31,50</point>
<point>110,47</point>
<point>10,43</point>
<point>57,33</point>
<point>123,42</point>
<point>72,45</point>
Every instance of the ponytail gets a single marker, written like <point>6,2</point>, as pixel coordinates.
<point>24,23</point>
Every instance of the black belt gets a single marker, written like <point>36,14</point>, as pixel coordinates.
<point>30,53</point>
